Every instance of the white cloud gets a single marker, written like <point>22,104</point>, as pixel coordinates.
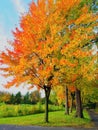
<point>19,6</point>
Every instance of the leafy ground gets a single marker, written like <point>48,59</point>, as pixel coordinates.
<point>56,118</point>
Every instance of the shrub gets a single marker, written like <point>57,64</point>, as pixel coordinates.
<point>24,109</point>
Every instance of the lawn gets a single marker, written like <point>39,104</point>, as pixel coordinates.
<point>56,118</point>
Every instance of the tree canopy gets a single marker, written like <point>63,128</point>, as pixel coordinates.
<point>52,46</point>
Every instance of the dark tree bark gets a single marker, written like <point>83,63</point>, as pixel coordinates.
<point>66,101</point>
<point>72,100</point>
<point>47,94</point>
<point>79,110</point>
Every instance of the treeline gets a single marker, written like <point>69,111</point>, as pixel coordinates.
<point>18,98</point>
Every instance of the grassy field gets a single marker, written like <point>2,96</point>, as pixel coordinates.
<point>56,118</point>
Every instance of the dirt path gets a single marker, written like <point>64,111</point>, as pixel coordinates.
<point>94,117</point>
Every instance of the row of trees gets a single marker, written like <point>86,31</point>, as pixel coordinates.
<point>29,98</point>
<point>57,97</point>
<point>53,47</point>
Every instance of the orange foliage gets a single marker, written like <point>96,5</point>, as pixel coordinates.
<point>45,50</point>
<point>72,88</point>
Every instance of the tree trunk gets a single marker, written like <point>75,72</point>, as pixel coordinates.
<point>79,110</point>
<point>66,101</point>
<point>72,100</point>
<point>47,94</point>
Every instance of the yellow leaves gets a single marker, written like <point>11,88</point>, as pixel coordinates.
<point>60,93</point>
<point>23,61</point>
<point>5,98</point>
<point>81,54</point>
<point>45,72</point>
<point>88,70</point>
<point>84,16</point>
<point>66,62</point>
<point>36,81</point>
<point>81,19</point>
<point>19,69</point>
<point>53,29</point>
<point>55,61</point>
<point>63,62</point>
<point>84,9</point>
<point>66,5</point>
<point>84,70</point>
<point>74,77</point>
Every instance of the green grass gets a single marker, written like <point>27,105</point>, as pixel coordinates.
<point>56,118</point>
<point>96,110</point>
<point>34,115</point>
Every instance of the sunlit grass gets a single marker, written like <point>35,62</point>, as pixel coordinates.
<point>55,119</point>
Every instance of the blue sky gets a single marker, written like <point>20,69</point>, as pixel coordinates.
<point>10,13</point>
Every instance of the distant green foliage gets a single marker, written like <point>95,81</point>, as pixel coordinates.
<point>29,98</point>
<point>24,109</point>
<point>18,98</point>
<point>34,97</point>
<point>53,98</point>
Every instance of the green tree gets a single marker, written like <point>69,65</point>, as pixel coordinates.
<point>26,98</point>
<point>12,99</point>
<point>18,98</point>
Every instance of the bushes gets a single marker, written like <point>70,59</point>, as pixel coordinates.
<point>90,105</point>
<point>55,108</point>
<point>24,109</point>
<point>17,110</point>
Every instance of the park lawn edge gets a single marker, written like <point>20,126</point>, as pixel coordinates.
<point>56,119</point>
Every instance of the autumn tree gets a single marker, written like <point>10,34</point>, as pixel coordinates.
<point>60,94</point>
<point>75,54</point>
<point>5,97</point>
<point>29,61</point>
<point>50,47</point>
<point>89,93</point>
<point>72,97</point>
